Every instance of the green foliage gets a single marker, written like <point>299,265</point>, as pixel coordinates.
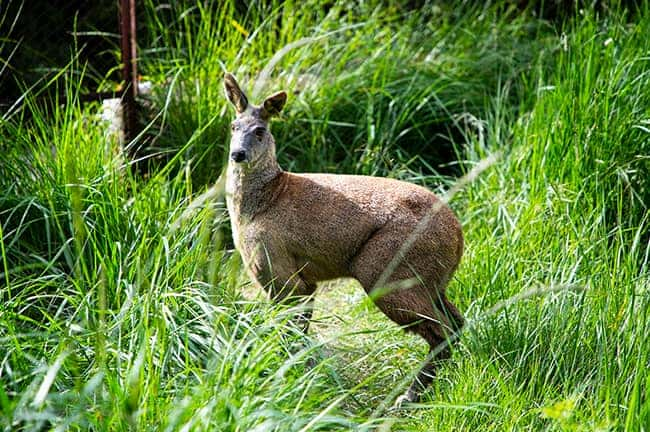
<point>373,90</point>
<point>121,302</point>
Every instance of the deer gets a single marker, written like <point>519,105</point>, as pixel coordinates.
<point>398,240</point>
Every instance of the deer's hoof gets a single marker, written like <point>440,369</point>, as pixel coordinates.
<point>311,363</point>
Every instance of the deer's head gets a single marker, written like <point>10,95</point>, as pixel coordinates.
<point>251,140</point>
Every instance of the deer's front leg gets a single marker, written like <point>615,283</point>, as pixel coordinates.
<point>278,274</point>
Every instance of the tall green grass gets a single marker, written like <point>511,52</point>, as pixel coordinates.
<point>122,305</point>
<point>373,90</point>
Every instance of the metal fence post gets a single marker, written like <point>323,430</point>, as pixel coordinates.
<point>129,68</point>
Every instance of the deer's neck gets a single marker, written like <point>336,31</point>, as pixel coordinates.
<point>251,190</point>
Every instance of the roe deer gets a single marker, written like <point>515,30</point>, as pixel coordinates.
<point>294,230</point>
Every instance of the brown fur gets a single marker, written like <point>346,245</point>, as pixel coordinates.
<point>294,230</point>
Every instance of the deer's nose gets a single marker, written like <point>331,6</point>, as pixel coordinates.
<point>238,156</point>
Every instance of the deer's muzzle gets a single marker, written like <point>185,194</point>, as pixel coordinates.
<point>238,156</point>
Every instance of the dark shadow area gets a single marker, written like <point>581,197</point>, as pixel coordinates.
<point>42,36</point>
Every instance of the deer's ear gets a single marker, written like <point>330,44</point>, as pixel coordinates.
<point>273,104</point>
<point>234,93</point>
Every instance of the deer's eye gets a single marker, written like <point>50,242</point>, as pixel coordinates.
<point>233,127</point>
<point>259,133</point>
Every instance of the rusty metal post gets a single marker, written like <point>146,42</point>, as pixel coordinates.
<point>129,68</point>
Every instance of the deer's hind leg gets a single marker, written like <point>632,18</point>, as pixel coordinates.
<point>412,296</point>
